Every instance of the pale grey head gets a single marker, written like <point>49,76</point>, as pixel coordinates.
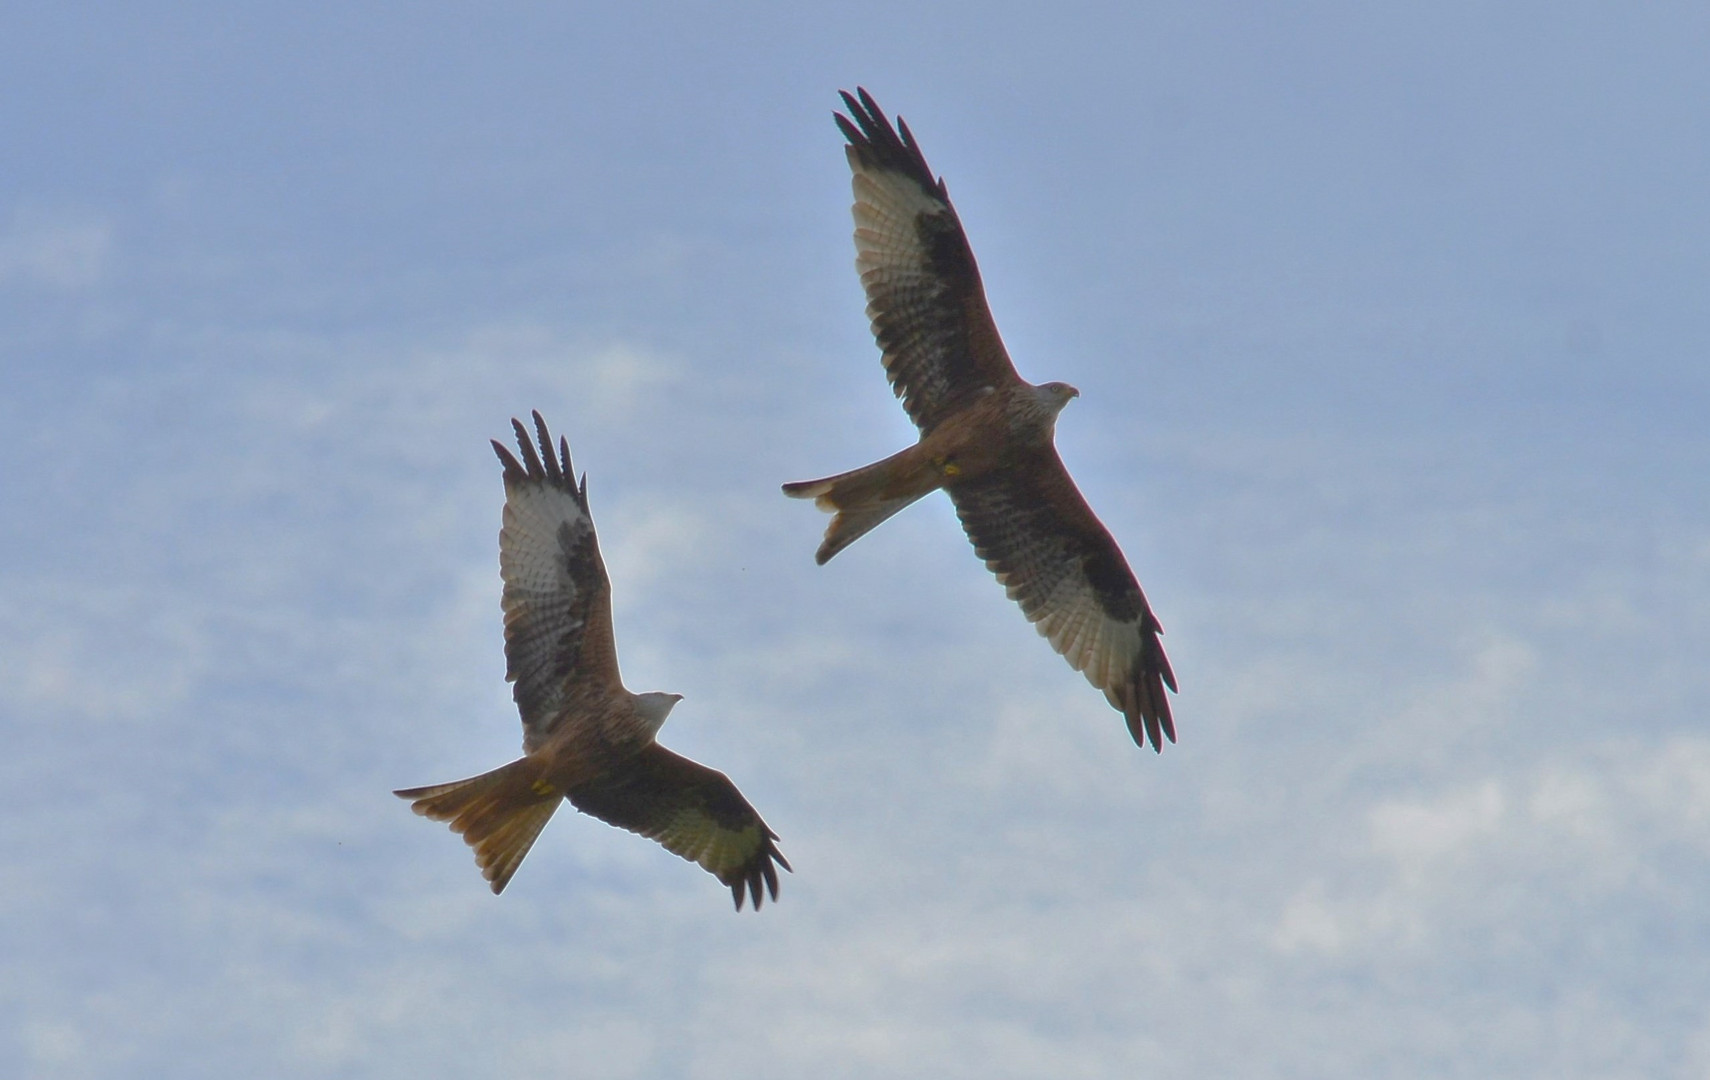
<point>653,707</point>
<point>1058,393</point>
<point>1049,399</point>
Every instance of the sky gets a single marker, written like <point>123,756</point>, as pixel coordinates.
<point>1390,328</point>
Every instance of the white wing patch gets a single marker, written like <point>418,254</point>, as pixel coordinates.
<point>887,205</point>
<point>532,542</point>
<point>1092,642</point>
<point>695,837</point>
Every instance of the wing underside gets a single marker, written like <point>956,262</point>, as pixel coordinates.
<point>924,296</point>
<point>695,812</point>
<point>557,597</point>
<point>1056,559</point>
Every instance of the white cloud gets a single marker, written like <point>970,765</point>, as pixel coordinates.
<point>1422,836</point>
<point>1569,829</point>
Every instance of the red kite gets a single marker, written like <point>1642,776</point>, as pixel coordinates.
<point>585,737</point>
<point>985,433</point>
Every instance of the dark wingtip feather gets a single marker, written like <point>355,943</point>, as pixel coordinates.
<point>1146,697</point>
<point>759,878</point>
<point>873,137</point>
<point>1165,718</point>
<point>1146,708</point>
<point>908,137</point>
<point>530,459</point>
<point>549,460</point>
<point>1154,649</point>
<point>538,461</point>
<point>513,467</point>
<point>872,106</point>
<point>849,130</point>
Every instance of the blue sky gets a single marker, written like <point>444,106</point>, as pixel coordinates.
<point>1390,328</point>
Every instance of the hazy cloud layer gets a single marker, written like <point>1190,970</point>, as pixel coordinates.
<point>1389,331</point>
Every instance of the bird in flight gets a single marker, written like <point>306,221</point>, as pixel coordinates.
<point>585,737</point>
<point>985,433</point>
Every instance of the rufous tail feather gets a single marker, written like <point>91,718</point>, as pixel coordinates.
<point>863,498</point>
<point>498,813</point>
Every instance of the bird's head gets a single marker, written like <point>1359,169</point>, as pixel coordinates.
<point>654,707</point>
<point>1055,395</point>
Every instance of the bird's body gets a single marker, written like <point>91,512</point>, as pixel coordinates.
<point>993,431</point>
<point>986,435</point>
<point>585,736</point>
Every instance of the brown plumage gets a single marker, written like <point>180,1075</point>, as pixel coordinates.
<point>986,435</point>
<point>585,737</point>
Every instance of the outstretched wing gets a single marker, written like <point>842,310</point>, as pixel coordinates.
<point>924,296</point>
<point>695,812</point>
<point>557,600</point>
<point>1056,559</point>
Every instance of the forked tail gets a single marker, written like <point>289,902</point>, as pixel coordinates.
<point>499,813</point>
<point>866,496</point>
